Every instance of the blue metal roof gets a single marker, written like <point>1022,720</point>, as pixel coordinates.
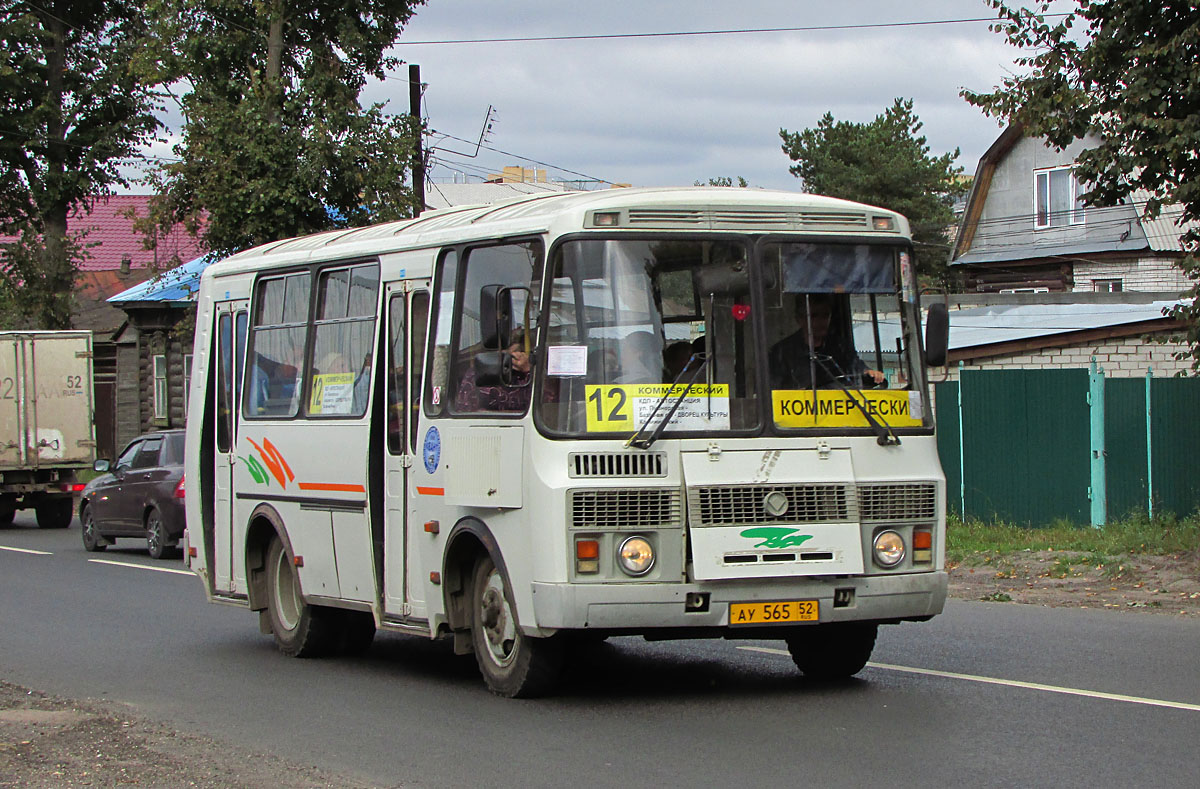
<point>177,286</point>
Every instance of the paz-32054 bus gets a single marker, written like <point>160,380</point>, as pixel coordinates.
<point>675,413</point>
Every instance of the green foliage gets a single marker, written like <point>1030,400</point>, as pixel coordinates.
<point>970,540</point>
<point>724,180</point>
<point>73,112</point>
<point>276,143</point>
<point>886,163</point>
<point>1129,71</point>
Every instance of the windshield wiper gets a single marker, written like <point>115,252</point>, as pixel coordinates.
<point>648,441</point>
<point>884,435</point>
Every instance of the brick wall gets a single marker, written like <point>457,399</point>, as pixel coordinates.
<point>1121,358</point>
<point>1159,275</point>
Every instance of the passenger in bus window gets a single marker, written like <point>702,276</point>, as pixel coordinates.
<point>833,352</point>
<point>641,355</point>
<point>274,385</point>
<point>471,398</point>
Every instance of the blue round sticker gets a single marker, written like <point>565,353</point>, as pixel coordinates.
<point>432,451</point>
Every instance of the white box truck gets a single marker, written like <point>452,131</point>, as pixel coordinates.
<point>47,433</point>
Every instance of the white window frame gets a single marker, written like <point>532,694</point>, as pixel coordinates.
<point>160,385</point>
<point>187,380</point>
<point>1105,285</point>
<point>1075,214</point>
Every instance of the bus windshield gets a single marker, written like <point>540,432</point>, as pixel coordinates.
<point>659,334</point>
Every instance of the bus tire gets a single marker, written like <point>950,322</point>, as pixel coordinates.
<point>833,651</point>
<point>55,513</point>
<point>512,664</point>
<point>300,630</point>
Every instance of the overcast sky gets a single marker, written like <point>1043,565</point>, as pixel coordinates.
<point>674,110</point>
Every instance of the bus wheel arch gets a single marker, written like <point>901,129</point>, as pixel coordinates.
<point>469,541</point>
<point>265,525</point>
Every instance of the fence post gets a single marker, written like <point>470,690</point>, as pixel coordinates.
<point>962,463</point>
<point>1098,491</point>
<point>1149,449</point>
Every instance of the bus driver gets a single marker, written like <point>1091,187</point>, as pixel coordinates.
<point>834,354</point>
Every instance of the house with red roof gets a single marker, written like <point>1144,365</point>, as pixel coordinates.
<point>117,257</point>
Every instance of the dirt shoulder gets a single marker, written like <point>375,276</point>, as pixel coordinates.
<point>48,742</point>
<point>1155,584</point>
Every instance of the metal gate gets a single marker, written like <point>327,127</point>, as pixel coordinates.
<point>1035,446</point>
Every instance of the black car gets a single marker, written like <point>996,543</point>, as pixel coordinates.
<point>141,495</point>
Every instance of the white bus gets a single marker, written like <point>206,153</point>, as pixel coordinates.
<point>675,413</point>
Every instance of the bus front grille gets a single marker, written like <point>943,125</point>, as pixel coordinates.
<point>898,502</point>
<point>617,464</point>
<point>624,508</point>
<point>725,506</point>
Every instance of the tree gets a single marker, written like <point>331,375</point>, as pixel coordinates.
<point>1128,71</point>
<point>723,180</point>
<point>275,141</point>
<point>886,163</point>
<point>72,112</point>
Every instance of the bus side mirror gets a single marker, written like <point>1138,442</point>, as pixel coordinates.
<point>493,368</point>
<point>937,335</point>
<point>495,316</point>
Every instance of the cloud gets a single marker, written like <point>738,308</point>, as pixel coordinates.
<point>659,111</point>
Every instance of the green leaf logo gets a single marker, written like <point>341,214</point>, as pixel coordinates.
<point>776,537</point>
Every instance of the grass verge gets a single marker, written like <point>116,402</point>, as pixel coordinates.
<point>1133,536</point>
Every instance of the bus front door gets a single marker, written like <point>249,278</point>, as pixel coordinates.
<point>230,333</point>
<point>407,318</point>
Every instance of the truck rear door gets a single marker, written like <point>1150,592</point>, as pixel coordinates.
<point>58,389</point>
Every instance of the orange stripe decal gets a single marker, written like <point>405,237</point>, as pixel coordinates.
<point>332,487</point>
<point>431,491</point>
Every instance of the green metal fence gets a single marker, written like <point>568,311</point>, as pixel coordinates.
<point>1034,446</point>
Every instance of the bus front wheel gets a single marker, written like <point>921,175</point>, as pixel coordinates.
<point>512,664</point>
<point>300,629</point>
<point>833,651</point>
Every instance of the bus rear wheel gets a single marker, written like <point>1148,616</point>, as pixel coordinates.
<point>833,651</point>
<point>300,630</point>
<point>513,664</point>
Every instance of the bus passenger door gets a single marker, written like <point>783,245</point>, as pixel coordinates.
<point>407,317</point>
<point>230,333</point>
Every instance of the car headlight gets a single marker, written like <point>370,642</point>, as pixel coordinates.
<point>889,548</point>
<point>635,556</point>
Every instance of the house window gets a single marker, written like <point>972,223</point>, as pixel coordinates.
<point>160,386</point>
<point>1056,198</point>
<point>1108,285</point>
<point>187,380</point>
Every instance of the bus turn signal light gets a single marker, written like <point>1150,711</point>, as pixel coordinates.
<point>922,540</point>
<point>587,556</point>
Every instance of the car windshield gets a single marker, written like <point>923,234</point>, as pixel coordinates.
<point>659,335</point>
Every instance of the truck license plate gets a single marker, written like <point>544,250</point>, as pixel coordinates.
<point>773,613</point>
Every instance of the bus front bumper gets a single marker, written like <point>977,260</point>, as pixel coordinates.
<point>632,607</point>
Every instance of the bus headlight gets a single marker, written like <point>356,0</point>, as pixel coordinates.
<point>635,556</point>
<point>889,549</point>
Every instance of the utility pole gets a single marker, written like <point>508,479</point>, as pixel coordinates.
<point>418,161</point>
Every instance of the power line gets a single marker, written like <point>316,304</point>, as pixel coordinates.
<point>727,32</point>
<point>523,158</point>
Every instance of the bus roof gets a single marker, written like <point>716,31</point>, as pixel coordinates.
<point>644,209</point>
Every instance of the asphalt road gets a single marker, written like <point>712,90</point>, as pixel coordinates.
<point>988,694</point>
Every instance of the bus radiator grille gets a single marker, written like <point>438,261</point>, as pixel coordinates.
<point>744,504</point>
<point>617,464</point>
<point>898,502</point>
<point>617,508</point>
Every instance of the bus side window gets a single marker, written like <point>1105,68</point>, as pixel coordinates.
<point>396,408</point>
<point>418,326</point>
<point>510,265</point>
<point>437,386</point>
<point>278,335</point>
